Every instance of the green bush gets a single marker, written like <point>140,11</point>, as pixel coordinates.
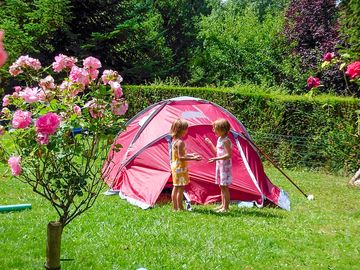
<point>318,133</point>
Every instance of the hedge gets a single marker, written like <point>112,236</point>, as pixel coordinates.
<point>296,131</point>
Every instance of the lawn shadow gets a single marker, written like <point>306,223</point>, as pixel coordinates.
<point>238,212</point>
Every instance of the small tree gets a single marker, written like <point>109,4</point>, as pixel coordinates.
<point>61,133</point>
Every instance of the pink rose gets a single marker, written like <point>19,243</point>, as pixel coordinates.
<point>21,119</point>
<point>117,89</point>
<point>95,110</point>
<point>91,63</point>
<point>14,163</point>
<point>118,107</point>
<point>47,83</point>
<point>353,70</point>
<point>3,54</point>
<point>328,56</point>
<point>47,124</point>
<point>313,82</point>
<point>111,75</point>
<point>77,110</point>
<point>6,101</point>
<point>24,61</point>
<point>17,89</point>
<point>31,95</point>
<point>63,62</point>
<point>42,138</point>
<point>79,75</point>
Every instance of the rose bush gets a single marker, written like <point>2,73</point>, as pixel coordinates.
<point>41,116</point>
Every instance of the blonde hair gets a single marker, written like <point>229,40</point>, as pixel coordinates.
<point>222,125</point>
<point>178,126</point>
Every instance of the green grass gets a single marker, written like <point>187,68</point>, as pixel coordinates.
<point>319,234</point>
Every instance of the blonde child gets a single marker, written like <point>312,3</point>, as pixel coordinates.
<point>223,175</point>
<point>179,158</point>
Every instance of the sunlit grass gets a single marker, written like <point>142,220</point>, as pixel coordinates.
<point>319,234</point>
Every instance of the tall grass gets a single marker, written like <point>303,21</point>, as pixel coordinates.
<point>319,234</point>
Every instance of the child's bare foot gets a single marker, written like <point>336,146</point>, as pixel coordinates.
<point>218,207</point>
<point>222,210</point>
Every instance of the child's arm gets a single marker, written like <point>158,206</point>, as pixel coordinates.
<point>227,155</point>
<point>211,145</point>
<point>184,156</point>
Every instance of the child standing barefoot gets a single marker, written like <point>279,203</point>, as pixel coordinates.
<point>179,160</point>
<point>223,175</point>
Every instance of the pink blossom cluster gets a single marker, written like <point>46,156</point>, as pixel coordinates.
<point>6,101</point>
<point>63,62</point>
<point>31,95</point>
<point>47,83</point>
<point>328,56</point>
<point>313,82</point>
<point>21,119</point>
<point>3,54</point>
<point>46,125</point>
<point>14,164</point>
<point>119,107</point>
<point>96,110</point>
<point>91,65</point>
<point>353,70</point>
<point>79,75</point>
<point>22,62</point>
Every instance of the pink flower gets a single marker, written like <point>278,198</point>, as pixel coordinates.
<point>77,110</point>
<point>2,130</point>
<point>24,61</point>
<point>118,107</point>
<point>47,83</point>
<point>328,56</point>
<point>111,75</point>
<point>14,163</point>
<point>42,138</point>
<point>6,100</point>
<point>21,119</point>
<point>117,89</point>
<point>91,63</point>
<point>353,70</point>
<point>31,95</point>
<point>17,89</point>
<point>47,124</point>
<point>62,61</point>
<point>95,110</point>
<point>79,75</point>
<point>313,82</point>
<point>3,54</point>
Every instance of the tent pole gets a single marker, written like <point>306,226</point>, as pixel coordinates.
<point>273,163</point>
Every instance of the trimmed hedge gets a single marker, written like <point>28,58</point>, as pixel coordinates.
<point>296,131</point>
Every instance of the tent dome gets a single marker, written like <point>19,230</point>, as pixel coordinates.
<point>141,169</point>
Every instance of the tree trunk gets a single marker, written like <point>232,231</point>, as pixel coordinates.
<point>53,245</point>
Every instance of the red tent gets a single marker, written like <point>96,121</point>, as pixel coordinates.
<point>141,170</point>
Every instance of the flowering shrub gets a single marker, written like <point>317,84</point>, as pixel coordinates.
<point>42,114</point>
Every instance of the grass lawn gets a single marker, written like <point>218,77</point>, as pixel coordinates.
<point>319,234</point>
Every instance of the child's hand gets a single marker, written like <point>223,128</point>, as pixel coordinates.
<point>207,141</point>
<point>211,160</point>
<point>197,157</point>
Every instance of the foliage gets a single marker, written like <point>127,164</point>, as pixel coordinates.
<point>296,131</point>
<point>61,130</point>
<point>180,19</point>
<point>312,26</point>
<point>126,34</point>
<point>236,47</point>
<point>350,28</point>
<point>116,235</point>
